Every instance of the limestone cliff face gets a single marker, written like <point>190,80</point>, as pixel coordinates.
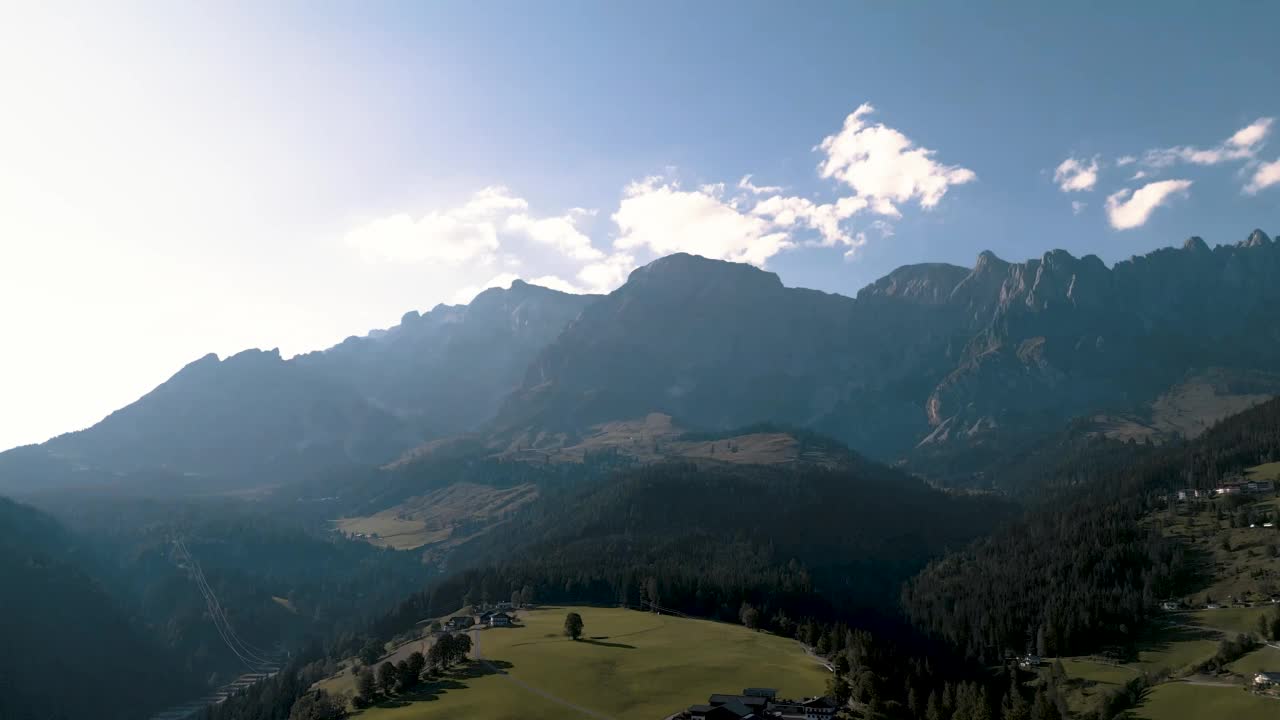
<point>929,353</point>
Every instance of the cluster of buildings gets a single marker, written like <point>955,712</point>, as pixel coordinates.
<point>1231,486</point>
<point>499,616</point>
<point>760,704</point>
<point>1266,681</point>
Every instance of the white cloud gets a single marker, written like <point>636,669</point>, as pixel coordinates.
<point>746,184</point>
<point>465,233</point>
<point>1129,209</point>
<point>786,212</point>
<point>884,167</point>
<point>1242,145</point>
<point>1077,207</point>
<point>1125,160</point>
<point>744,222</point>
<point>465,295</point>
<point>559,232</point>
<point>608,274</point>
<point>1138,175</point>
<point>556,283</point>
<point>658,216</point>
<point>1250,135</point>
<point>1074,175</point>
<point>1266,175</point>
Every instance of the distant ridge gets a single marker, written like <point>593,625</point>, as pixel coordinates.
<point>931,359</point>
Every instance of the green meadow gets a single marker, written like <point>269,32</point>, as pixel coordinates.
<point>629,665</point>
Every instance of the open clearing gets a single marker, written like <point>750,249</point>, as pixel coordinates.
<point>1269,471</point>
<point>1235,619</point>
<point>630,665</point>
<point>1181,701</point>
<point>441,518</point>
<point>1264,658</point>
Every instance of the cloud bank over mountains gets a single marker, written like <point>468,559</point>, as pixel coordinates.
<point>874,171</point>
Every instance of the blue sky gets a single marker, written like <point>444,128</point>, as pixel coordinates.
<point>181,180</point>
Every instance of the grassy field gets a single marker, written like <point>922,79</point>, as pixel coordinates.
<point>1099,672</point>
<point>1181,701</point>
<point>1269,471</point>
<point>630,665</point>
<point>1090,680</point>
<point>1267,658</point>
<point>433,519</point>
<point>1236,620</point>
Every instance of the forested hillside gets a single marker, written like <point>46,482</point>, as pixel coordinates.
<point>69,650</point>
<point>806,541</point>
<point>1082,571</point>
<point>279,580</point>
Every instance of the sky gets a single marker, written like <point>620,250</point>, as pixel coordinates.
<point>185,178</point>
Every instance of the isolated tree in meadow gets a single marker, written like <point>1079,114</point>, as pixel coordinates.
<point>526,595</point>
<point>366,685</point>
<point>573,625</point>
<point>387,678</point>
<point>749,616</point>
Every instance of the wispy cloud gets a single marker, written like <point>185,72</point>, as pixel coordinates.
<point>1128,208</point>
<point>1074,175</point>
<point>1242,145</point>
<point>746,184</point>
<point>1264,176</point>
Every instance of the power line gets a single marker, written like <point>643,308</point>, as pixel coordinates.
<point>255,659</point>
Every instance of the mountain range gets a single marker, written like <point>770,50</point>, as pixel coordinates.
<point>928,363</point>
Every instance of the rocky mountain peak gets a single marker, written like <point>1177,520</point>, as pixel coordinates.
<point>989,262</point>
<point>926,283</point>
<point>1195,243</point>
<point>683,273</point>
<point>1257,238</point>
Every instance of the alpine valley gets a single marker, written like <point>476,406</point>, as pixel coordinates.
<point>958,490</point>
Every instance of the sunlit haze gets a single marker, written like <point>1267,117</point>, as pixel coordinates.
<point>177,180</point>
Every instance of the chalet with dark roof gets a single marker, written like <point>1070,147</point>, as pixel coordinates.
<point>760,704</point>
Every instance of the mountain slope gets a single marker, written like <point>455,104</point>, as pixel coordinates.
<point>930,355</point>
<point>60,629</point>
<point>719,345</point>
<point>255,418</point>
<point>1082,570</point>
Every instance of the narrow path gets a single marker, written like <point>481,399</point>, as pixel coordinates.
<point>809,651</point>
<point>478,656</point>
<point>1209,683</point>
